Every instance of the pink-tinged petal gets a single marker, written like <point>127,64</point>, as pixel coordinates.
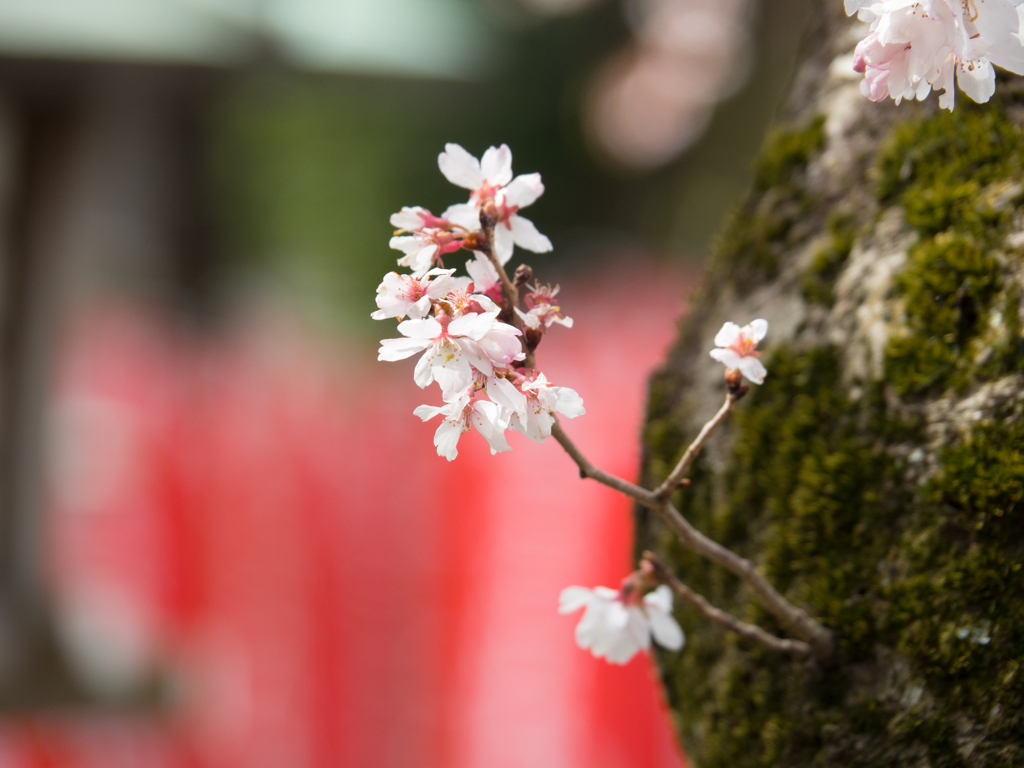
<point>999,24</point>
<point>419,263</point>
<point>617,615</point>
<point>530,320</point>
<point>474,325</point>
<point>445,285</point>
<point>504,243</point>
<point>423,374</point>
<point>977,80</point>
<point>758,330</point>
<point>572,599</point>
<point>504,393</point>
<point>502,347</point>
<point>446,438</point>
<point>728,335</point>
<point>486,417</point>
<point>482,271</point>
<point>424,328</point>
<point>523,191</point>
<point>752,368</point>
<point>728,357</point>
<point>419,309</point>
<point>526,235</point>
<point>666,630</point>
<point>408,218</point>
<point>589,629</point>
<point>476,356</point>
<point>465,215</point>
<point>537,426</point>
<point>496,165</point>
<point>399,349</point>
<point>406,243</point>
<point>460,167</point>
<point>427,412</point>
<point>450,369</point>
<point>569,403</point>
<point>660,599</point>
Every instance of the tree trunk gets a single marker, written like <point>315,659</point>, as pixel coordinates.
<point>877,477</point>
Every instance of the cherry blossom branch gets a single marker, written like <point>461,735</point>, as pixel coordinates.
<point>487,224</point>
<point>727,620</point>
<point>672,482</point>
<point>794,619</point>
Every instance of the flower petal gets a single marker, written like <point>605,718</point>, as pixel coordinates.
<point>752,368</point>
<point>526,235</point>
<point>504,243</point>
<point>758,330</point>
<point>496,165</point>
<point>666,630</point>
<point>728,356</point>
<point>446,438</point>
<point>466,215</point>
<point>728,335</point>
<point>399,349</point>
<point>460,167</point>
<point>524,190</point>
<point>572,599</point>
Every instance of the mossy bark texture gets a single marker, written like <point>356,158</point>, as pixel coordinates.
<point>877,477</point>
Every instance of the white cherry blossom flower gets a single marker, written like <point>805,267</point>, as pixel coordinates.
<point>424,248</point>
<point>414,219</point>
<point>542,311</point>
<point>401,295</point>
<point>485,276</point>
<point>615,628</point>
<point>454,348</point>
<point>490,181</point>
<point>464,411</point>
<point>917,45</point>
<point>543,400</point>
<point>738,349</point>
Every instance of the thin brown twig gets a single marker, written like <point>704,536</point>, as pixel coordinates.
<point>727,620</point>
<point>671,482</point>
<point>794,619</point>
<point>511,292</point>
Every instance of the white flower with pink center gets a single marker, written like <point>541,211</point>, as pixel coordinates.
<point>401,295</point>
<point>738,349</point>
<point>485,277</point>
<point>468,409</point>
<point>917,45</point>
<point>490,182</point>
<point>425,248</point>
<point>616,626</point>
<point>542,311</point>
<point>454,348</point>
<point>543,400</point>
<point>413,219</point>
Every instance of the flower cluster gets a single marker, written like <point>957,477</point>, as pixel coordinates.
<point>478,344</point>
<point>467,329</point>
<point>917,45</point>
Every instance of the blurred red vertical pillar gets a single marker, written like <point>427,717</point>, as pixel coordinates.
<point>324,590</point>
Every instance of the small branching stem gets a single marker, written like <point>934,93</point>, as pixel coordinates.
<point>727,620</point>
<point>511,292</point>
<point>794,619</point>
<point>665,490</point>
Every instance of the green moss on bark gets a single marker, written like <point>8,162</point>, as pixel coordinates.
<point>914,559</point>
<point>930,576</point>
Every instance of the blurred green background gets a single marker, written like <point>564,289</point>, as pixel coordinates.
<point>305,167</point>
